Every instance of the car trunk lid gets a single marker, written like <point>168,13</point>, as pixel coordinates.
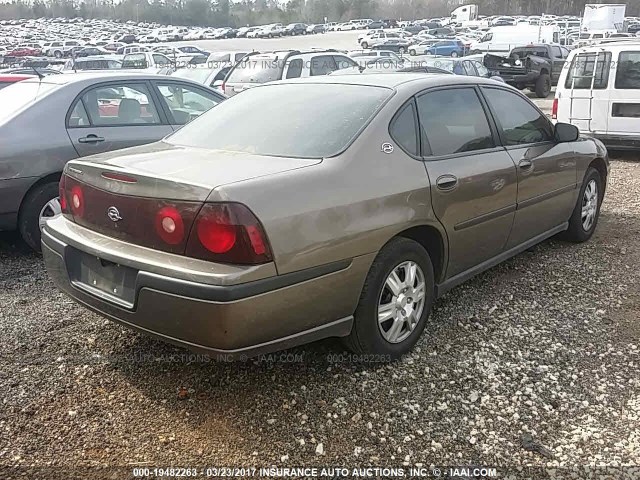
<point>127,194</point>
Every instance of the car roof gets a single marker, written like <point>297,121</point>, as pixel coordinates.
<point>90,77</point>
<point>391,80</point>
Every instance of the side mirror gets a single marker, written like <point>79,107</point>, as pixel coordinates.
<point>565,132</point>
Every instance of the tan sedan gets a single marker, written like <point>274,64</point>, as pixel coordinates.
<point>335,206</point>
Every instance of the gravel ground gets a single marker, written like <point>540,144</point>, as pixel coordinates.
<point>534,363</point>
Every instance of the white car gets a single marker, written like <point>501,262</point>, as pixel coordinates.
<point>421,48</point>
<point>368,34</point>
<point>253,32</point>
<point>343,27</point>
<point>379,38</point>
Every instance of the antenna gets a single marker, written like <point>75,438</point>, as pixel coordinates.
<point>40,75</point>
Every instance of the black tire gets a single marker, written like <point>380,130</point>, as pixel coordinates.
<point>28,219</point>
<point>412,52</point>
<point>365,336</point>
<point>543,86</point>
<point>57,54</point>
<point>364,45</point>
<point>576,232</point>
<point>401,50</point>
<point>454,54</point>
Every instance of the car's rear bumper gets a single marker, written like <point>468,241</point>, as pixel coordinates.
<point>221,320</point>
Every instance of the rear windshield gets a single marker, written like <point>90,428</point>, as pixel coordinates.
<point>199,75</point>
<point>135,60</point>
<point>257,69</point>
<point>314,120</point>
<point>20,94</point>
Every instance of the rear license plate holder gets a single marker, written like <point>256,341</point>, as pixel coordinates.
<point>102,278</point>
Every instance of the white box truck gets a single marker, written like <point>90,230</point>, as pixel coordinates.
<point>603,16</point>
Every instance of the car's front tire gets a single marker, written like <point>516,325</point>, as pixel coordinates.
<point>32,207</point>
<point>395,301</point>
<point>364,45</point>
<point>584,218</point>
<point>412,52</point>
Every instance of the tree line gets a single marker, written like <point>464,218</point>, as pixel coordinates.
<point>218,13</point>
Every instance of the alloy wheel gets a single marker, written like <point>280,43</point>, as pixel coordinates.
<point>589,205</point>
<point>401,302</point>
<point>50,209</point>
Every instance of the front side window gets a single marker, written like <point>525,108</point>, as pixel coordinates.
<point>589,68</point>
<point>186,103</point>
<point>344,62</point>
<point>453,121</point>
<point>628,74</point>
<point>116,105</point>
<point>519,121</point>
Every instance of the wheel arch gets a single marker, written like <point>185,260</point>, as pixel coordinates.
<point>50,178</point>
<point>600,165</point>
<point>433,241</point>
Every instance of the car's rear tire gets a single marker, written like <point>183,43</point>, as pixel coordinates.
<point>401,50</point>
<point>454,54</point>
<point>543,86</point>
<point>403,303</point>
<point>29,217</point>
<point>584,219</point>
<point>57,54</point>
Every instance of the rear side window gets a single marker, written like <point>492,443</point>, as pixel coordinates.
<point>628,74</point>
<point>520,122</point>
<point>322,65</point>
<point>78,117</point>
<point>453,121</point>
<point>256,69</point>
<point>587,68</point>
<point>403,129</point>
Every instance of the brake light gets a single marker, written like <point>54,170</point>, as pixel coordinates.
<point>554,109</point>
<point>77,201</point>
<point>62,195</point>
<point>228,233</point>
<point>224,88</point>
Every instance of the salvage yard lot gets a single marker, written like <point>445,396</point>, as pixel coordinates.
<point>540,353</point>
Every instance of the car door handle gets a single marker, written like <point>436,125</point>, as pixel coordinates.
<point>525,164</point>
<point>91,139</point>
<point>446,182</point>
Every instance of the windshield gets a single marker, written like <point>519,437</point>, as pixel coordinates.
<point>245,121</point>
<point>21,94</point>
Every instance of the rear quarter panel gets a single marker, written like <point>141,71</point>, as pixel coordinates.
<point>344,207</point>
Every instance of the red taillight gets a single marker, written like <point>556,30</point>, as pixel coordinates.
<point>77,201</point>
<point>120,177</point>
<point>228,233</point>
<point>169,225</point>
<point>554,109</point>
<point>62,195</point>
<point>224,88</point>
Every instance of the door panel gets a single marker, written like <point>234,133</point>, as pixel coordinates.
<point>585,94</point>
<point>477,212</point>
<point>546,170</point>
<point>473,181</point>
<point>624,101</point>
<point>115,115</point>
<point>546,189</point>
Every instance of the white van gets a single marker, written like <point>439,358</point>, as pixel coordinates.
<point>599,92</point>
<point>504,39</point>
